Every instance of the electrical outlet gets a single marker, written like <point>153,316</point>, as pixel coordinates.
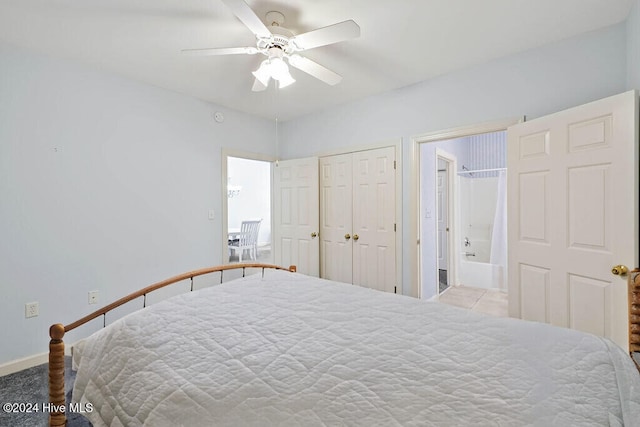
<point>93,297</point>
<point>31,309</point>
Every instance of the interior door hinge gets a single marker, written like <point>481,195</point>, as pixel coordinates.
<point>394,227</point>
<point>394,164</point>
<point>395,289</point>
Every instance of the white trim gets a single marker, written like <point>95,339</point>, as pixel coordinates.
<point>413,193</point>
<point>414,181</point>
<point>226,153</point>
<point>460,132</point>
<point>21,364</point>
<point>24,363</point>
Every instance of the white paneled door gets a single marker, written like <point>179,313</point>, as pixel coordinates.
<point>336,218</point>
<point>573,216</point>
<point>358,205</point>
<point>374,212</point>
<point>296,214</point>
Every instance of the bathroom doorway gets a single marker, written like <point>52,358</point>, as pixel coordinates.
<point>462,224</point>
<point>445,224</point>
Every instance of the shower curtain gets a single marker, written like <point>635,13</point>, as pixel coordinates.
<point>499,236</point>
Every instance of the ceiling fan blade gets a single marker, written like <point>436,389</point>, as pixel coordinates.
<point>248,17</point>
<point>221,51</point>
<point>316,70</point>
<point>327,35</point>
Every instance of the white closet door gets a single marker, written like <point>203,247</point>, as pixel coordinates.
<point>573,215</point>
<point>336,218</point>
<point>374,204</point>
<point>296,215</point>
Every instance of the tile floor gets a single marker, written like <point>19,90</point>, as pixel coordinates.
<point>488,301</point>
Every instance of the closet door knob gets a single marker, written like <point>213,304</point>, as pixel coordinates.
<point>356,237</point>
<point>347,236</point>
<point>313,235</point>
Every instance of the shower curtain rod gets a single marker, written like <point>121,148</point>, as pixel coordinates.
<point>482,170</point>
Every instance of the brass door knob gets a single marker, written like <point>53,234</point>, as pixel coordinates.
<point>356,237</point>
<point>347,236</point>
<point>314,235</point>
<point>620,270</point>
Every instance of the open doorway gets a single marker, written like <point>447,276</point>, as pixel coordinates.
<point>247,208</point>
<point>445,224</point>
<point>462,214</point>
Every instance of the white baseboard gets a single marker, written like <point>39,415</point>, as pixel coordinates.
<point>27,362</point>
<point>24,363</point>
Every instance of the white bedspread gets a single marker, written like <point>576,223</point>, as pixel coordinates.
<point>294,350</point>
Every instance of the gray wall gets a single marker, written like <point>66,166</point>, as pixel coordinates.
<point>105,185</point>
<point>633,47</point>
<point>533,83</point>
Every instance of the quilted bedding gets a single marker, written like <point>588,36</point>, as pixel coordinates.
<point>288,349</point>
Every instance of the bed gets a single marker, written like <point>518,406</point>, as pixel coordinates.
<point>281,348</point>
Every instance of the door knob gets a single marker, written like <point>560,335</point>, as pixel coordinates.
<point>347,236</point>
<point>313,235</point>
<point>620,270</point>
<point>356,237</point>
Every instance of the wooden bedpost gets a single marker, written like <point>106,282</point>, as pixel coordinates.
<point>56,376</point>
<point>634,316</point>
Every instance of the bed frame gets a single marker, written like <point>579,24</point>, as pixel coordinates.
<point>56,346</point>
<point>57,331</point>
<point>634,316</point>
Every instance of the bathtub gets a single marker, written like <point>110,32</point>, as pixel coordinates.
<point>476,271</point>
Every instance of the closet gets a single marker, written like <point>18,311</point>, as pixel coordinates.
<point>357,218</point>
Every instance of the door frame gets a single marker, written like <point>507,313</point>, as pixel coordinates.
<point>230,152</point>
<point>397,144</point>
<point>413,242</point>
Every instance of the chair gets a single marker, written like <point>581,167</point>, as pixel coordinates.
<point>247,239</point>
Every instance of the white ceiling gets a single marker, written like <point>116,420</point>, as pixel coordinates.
<point>402,42</point>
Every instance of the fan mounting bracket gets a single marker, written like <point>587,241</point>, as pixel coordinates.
<point>274,19</point>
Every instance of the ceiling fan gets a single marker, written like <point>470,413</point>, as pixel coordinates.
<point>277,44</point>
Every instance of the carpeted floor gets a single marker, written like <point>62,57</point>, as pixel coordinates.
<point>31,386</point>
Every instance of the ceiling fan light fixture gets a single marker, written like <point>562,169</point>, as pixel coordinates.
<point>285,80</point>
<point>274,68</point>
<point>263,73</point>
<point>280,72</point>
